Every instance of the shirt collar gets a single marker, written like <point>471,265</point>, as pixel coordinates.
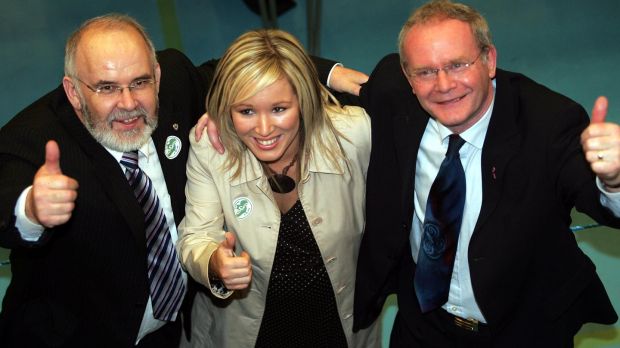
<point>321,164</point>
<point>144,151</point>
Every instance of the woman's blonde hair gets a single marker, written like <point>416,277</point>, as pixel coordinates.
<point>254,61</point>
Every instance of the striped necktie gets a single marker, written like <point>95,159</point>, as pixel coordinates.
<point>442,224</point>
<point>165,275</point>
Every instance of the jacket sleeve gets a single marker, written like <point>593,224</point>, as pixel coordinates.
<point>201,230</point>
<point>22,152</point>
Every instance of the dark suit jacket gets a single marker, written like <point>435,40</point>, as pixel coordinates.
<point>526,268</point>
<point>85,283</point>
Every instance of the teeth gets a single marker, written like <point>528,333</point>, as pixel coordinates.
<point>451,100</point>
<point>129,120</point>
<point>267,142</point>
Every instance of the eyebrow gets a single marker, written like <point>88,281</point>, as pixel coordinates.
<point>246,105</point>
<point>451,61</point>
<point>107,82</point>
<point>241,105</point>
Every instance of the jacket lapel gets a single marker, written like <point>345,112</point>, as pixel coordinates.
<point>501,144</point>
<point>252,171</point>
<point>108,172</point>
<point>172,146</point>
<point>408,130</point>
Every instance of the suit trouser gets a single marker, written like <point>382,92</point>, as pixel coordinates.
<point>437,330</point>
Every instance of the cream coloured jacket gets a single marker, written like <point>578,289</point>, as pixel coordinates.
<point>333,201</point>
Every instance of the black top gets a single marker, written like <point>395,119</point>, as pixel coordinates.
<point>301,309</point>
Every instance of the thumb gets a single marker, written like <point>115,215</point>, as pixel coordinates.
<point>599,111</point>
<point>355,89</point>
<point>229,242</point>
<point>52,158</point>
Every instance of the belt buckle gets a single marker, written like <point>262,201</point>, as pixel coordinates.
<point>467,324</point>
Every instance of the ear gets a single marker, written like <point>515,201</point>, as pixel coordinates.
<point>157,76</point>
<point>409,78</point>
<point>71,92</point>
<point>491,61</point>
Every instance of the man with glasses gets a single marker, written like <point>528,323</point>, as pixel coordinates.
<point>91,237</point>
<point>471,183</point>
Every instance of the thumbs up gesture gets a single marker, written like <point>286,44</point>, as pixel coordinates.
<point>51,200</point>
<point>601,146</point>
<point>234,271</point>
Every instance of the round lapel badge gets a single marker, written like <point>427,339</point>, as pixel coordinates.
<point>242,207</point>
<point>172,148</point>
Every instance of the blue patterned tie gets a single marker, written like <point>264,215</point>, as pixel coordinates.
<point>165,275</point>
<point>442,223</point>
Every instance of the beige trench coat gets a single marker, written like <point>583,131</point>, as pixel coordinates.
<point>333,201</point>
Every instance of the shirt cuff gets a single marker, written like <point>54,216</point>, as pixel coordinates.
<point>329,77</point>
<point>29,231</point>
<point>218,289</point>
<point>610,200</point>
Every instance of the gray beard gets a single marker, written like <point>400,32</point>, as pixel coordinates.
<point>121,141</point>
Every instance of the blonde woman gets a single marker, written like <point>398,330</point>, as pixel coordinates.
<point>273,226</point>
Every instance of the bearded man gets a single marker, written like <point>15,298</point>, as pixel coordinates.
<point>91,237</point>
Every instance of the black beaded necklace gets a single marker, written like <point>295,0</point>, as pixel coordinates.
<point>281,183</point>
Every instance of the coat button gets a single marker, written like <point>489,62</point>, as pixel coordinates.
<point>340,289</point>
<point>317,221</point>
<point>331,259</point>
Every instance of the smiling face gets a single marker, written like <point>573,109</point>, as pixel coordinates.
<point>268,123</point>
<point>121,121</point>
<point>457,102</point>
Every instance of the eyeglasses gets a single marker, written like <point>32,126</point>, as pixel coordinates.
<point>112,89</point>
<point>454,69</point>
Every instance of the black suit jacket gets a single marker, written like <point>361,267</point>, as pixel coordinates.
<point>526,268</point>
<point>84,284</point>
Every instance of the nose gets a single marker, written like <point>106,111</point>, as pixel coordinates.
<point>444,82</point>
<point>127,100</point>
<point>264,126</point>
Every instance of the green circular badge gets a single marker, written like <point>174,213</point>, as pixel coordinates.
<point>172,148</point>
<point>242,207</point>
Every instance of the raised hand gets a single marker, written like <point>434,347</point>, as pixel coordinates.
<point>212,132</point>
<point>601,145</point>
<point>347,80</point>
<point>234,271</point>
<point>51,200</point>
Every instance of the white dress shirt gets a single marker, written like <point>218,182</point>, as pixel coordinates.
<point>432,151</point>
<point>149,163</point>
